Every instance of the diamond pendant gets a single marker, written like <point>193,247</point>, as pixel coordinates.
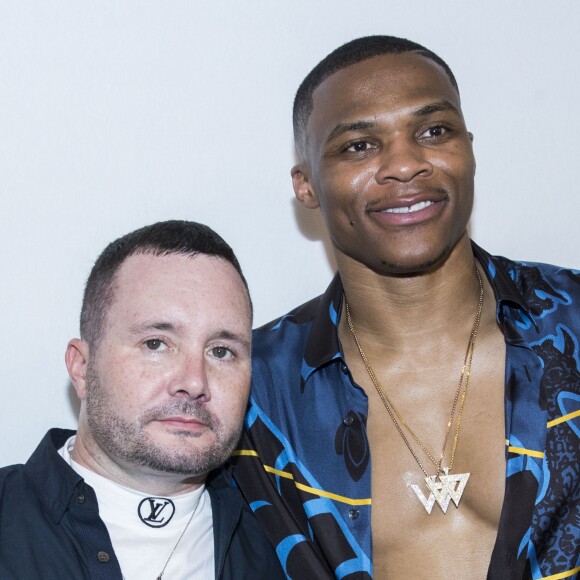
<point>443,489</point>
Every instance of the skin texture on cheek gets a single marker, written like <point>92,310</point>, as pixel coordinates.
<point>132,441</point>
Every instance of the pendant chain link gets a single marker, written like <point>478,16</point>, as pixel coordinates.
<point>181,536</point>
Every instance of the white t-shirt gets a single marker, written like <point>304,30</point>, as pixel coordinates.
<point>144,529</point>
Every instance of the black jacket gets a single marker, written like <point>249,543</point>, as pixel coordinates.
<point>50,527</point>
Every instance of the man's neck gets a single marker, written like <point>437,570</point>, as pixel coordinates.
<point>406,312</point>
<point>87,454</point>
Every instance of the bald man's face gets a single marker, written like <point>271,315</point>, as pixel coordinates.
<point>389,162</point>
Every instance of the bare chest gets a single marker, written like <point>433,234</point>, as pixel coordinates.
<point>408,541</point>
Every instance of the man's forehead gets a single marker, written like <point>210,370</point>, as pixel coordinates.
<point>146,274</point>
<point>401,83</point>
<point>158,265</point>
<point>407,72</point>
<point>147,285</point>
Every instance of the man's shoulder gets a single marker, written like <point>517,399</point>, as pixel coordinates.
<point>13,477</point>
<point>525,271</point>
<point>10,476</point>
<point>283,347</point>
<point>16,495</point>
<point>547,291</point>
<point>39,470</point>
<point>292,327</point>
<point>303,314</point>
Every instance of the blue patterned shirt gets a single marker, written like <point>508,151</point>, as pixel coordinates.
<point>304,461</point>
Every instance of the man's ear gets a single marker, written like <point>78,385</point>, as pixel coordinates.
<point>77,359</point>
<point>474,161</point>
<point>303,190</point>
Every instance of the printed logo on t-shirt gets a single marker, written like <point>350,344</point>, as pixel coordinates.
<point>156,512</point>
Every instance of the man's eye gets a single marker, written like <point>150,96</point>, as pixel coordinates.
<point>436,131</point>
<point>154,344</point>
<point>221,352</point>
<point>359,147</point>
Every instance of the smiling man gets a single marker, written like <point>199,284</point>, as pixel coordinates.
<point>162,372</point>
<point>420,419</point>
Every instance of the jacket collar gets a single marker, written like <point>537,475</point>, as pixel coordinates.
<point>52,479</point>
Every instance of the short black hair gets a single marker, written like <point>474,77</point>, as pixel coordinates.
<point>159,239</point>
<point>352,52</point>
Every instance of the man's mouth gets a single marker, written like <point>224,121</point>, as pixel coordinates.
<point>412,209</point>
<point>409,209</point>
<point>183,424</point>
<point>187,414</point>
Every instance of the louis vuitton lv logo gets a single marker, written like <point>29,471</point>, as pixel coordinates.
<point>156,511</point>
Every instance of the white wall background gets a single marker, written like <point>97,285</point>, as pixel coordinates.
<point>116,113</point>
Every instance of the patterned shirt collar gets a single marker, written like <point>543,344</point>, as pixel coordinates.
<point>323,345</point>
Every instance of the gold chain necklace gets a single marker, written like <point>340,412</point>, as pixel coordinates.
<point>443,488</point>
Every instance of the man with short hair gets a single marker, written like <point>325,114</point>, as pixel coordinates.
<point>453,373</point>
<point>162,372</point>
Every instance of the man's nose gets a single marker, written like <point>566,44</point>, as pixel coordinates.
<point>190,379</point>
<point>402,159</point>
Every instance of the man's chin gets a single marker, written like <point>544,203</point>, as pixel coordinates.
<point>187,454</point>
<point>415,263</point>
<point>185,464</point>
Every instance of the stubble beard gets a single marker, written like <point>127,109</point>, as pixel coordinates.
<point>130,442</point>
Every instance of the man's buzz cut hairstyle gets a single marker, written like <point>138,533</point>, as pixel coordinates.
<point>352,52</point>
<point>160,239</point>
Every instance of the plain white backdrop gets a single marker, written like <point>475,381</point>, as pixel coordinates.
<point>115,114</point>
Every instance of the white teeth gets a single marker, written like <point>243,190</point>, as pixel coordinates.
<point>415,207</point>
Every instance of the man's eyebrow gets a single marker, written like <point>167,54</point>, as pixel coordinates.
<point>346,127</point>
<point>228,335</point>
<point>435,108</point>
<point>429,109</point>
<point>221,334</point>
<point>152,325</point>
